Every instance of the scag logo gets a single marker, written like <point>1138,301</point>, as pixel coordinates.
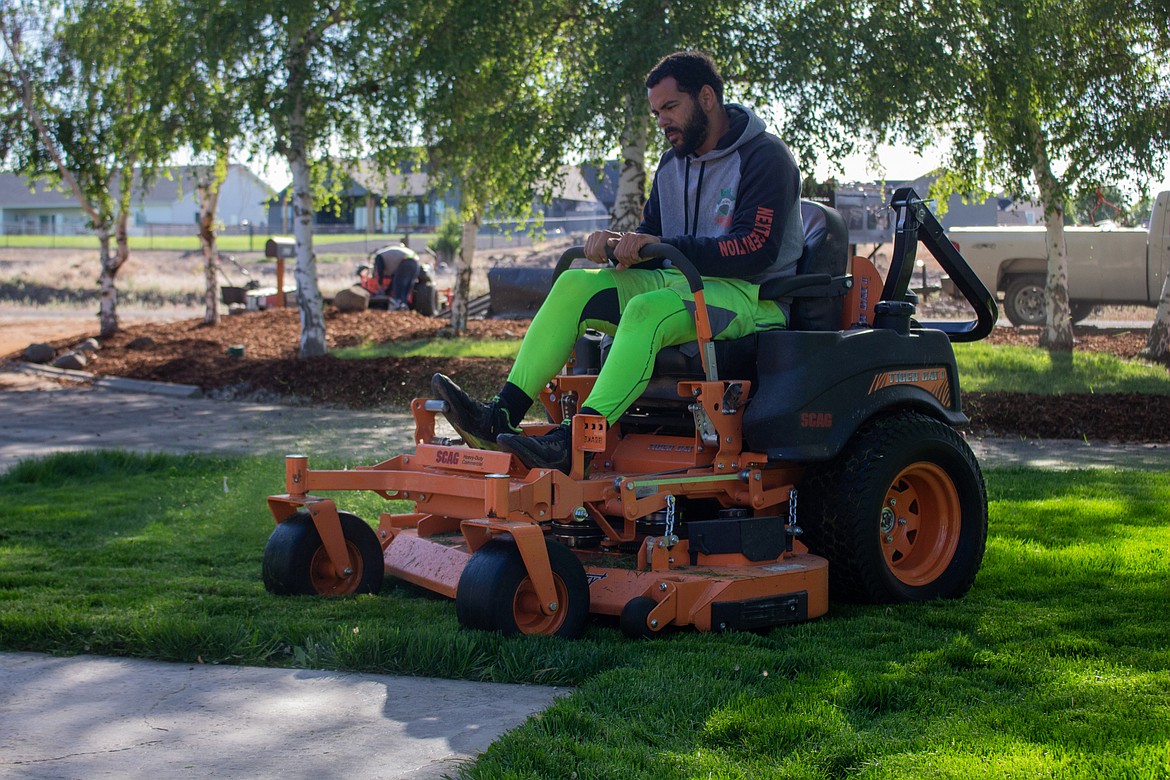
<point>448,457</point>
<point>816,420</point>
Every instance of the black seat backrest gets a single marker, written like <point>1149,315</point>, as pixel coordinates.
<point>826,251</point>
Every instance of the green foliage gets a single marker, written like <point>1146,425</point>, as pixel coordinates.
<point>100,93</point>
<point>1053,665</point>
<point>1093,203</point>
<point>448,238</point>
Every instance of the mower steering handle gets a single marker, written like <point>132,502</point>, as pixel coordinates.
<point>672,256</point>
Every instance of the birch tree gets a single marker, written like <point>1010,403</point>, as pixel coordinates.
<point>93,106</point>
<point>215,55</point>
<point>1034,96</point>
<point>321,81</point>
<point>487,73</point>
<point>1158,342</point>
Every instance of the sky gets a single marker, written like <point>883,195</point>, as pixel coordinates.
<point>901,163</point>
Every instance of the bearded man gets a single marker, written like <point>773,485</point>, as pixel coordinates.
<point>726,193</point>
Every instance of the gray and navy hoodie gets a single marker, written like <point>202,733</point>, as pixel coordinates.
<point>735,211</point>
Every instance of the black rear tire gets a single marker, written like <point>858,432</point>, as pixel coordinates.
<point>495,592</point>
<point>901,514</point>
<point>1079,311</point>
<point>426,299</point>
<point>296,564</point>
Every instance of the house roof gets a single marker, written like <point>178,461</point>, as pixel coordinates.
<point>573,186</point>
<point>603,180</point>
<point>366,175</point>
<point>17,192</point>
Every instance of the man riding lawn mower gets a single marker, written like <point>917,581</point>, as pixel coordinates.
<point>720,498</point>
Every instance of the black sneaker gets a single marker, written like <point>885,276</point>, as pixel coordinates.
<point>478,423</point>
<point>554,450</point>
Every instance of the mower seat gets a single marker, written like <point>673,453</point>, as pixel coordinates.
<point>826,251</point>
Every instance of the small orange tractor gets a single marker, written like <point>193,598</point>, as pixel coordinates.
<point>721,498</point>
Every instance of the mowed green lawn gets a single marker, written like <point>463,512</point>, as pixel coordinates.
<point>1055,665</point>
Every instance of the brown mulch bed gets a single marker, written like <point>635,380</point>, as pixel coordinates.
<point>191,353</point>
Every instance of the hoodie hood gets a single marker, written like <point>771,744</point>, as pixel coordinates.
<point>745,126</point>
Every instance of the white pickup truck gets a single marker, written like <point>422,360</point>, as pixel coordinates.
<point>1117,266</point>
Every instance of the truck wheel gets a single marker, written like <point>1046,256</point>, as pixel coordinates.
<point>426,299</point>
<point>1079,311</point>
<point>901,515</point>
<point>1023,302</point>
<point>296,564</point>
<point>496,594</point>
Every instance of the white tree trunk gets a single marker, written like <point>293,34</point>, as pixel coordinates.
<point>463,265</point>
<point>309,300</point>
<point>207,186</point>
<point>1058,334</point>
<point>107,293</point>
<point>1158,344</point>
<point>631,191</point>
<point>111,263</point>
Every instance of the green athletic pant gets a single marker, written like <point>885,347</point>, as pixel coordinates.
<point>654,309</point>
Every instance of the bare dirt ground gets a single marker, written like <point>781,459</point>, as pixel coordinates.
<point>162,304</point>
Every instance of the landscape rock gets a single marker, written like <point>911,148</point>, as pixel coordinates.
<point>352,299</point>
<point>141,342</point>
<point>38,353</point>
<point>73,361</point>
<point>88,346</point>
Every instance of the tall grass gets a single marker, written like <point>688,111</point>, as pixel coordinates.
<point>1055,664</point>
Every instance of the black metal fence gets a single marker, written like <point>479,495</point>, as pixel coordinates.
<point>492,233</point>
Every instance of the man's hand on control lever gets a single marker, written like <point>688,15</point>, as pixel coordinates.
<point>625,246</point>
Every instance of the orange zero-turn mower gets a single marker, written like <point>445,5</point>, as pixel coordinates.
<point>739,492</point>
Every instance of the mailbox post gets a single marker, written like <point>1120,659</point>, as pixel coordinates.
<point>280,248</point>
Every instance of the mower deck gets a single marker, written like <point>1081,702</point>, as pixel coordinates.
<point>739,572</point>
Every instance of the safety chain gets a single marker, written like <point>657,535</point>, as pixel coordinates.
<point>669,515</point>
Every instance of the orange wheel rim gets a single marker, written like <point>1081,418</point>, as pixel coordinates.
<point>327,581</point>
<point>919,524</point>
<point>526,608</point>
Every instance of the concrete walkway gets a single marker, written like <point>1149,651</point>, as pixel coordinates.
<point>39,417</point>
<point>98,717</point>
<point>87,717</point>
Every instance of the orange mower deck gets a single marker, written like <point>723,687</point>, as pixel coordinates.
<point>464,498</point>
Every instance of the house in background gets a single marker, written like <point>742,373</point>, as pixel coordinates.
<point>243,199</point>
<point>168,205</point>
<point>374,201</point>
<point>38,209</point>
<point>371,201</point>
<point>602,179</point>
